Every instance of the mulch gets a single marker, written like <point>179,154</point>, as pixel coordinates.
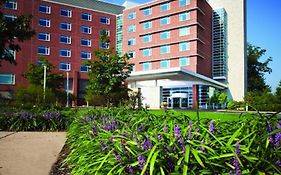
<point>59,168</point>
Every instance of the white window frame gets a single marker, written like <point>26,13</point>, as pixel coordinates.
<point>165,33</point>
<point>68,39</point>
<point>133,53</point>
<point>69,12</point>
<point>149,23</point>
<point>47,50</point>
<point>11,17</point>
<point>149,10</point>
<point>68,53</point>
<point>184,31</point>
<point>88,68</point>
<point>131,28</point>
<point>163,7</point>
<point>107,45</point>
<point>68,26</point>
<point>14,5</point>
<point>165,61</point>
<point>132,15</point>
<point>147,52</point>
<point>12,78</point>
<point>187,60</point>
<point>89,55</point>
<point>88,28</point>
<point>181,16</point>
<point>166,20</point>
<point>132,40</point>
<point>47,7</point>
<point>185,3</point>
<point>47,21</point>
<point>148,37</point>
<point>149,64</point>
<point>89,42</point>
<point>107,20</point>
<point>165,48</point>
<point>181,46</point>
<point>68,66</point>
<point>89,16</point>
<point>45,34</point>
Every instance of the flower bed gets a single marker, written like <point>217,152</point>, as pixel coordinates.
<point>118,141</point>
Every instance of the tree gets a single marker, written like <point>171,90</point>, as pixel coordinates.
<point>257,69</point>
<point>108,73</point>
<point>12,32</point>
<point>278,93</point>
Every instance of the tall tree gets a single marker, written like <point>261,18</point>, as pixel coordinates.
<point>278,93</point>
<point>11,33</point>
<point>108,72</point>
<point>257,69</point>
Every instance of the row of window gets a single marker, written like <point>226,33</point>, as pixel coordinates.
<point>8,79</point>
<point>163,7</point>
<point>164,64</point>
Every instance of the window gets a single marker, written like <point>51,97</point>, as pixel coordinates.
<point>165,21</point>
<point>11,5</point>
<point>9,18</point>
<point>165,7</point>
<point>44,9</point>
<point>86,55</point>
<point>147,38</point>
<point>184,61</point>
<point>9,53</point>
<point>65,39</point>
<point>132,54</point>
<point>86,16</point>
<point>104,45</point>
<point>165,35</point>
<point>104,20</point>
<point>44,22</point>
<point>132,28</point>
<point>184,2</point>
<point>7,79</point>
<point>164,64</point>
<point>146,66</point>
<point>147,25</point>
<point>131,15</point>
<point>107,32</point>
<point>42,50</point>
<point>64,66</point>
<point>65,52</point>
<point>184,31</point>
<point>184,16</point>
<point>86,29</point>
<point>184,46</point>
<point>147,12</point>
<point>86,42</point>
<point>43,36</point>
<point>131,41</point>
<point>66,13</point>
<point>84,68</point>
<point>164,49</point>
<point>65,26</point>
<point>147,52</point>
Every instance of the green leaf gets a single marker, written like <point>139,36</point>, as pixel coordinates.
<point>162,171</point>
<point>235,134</point>
<point>110,172</point>
<point>222,156</point>
<point>186,160</point>
<point>104,159</point>
<point>196,156</point>
<point>148,159</point>
<point>152,162</point>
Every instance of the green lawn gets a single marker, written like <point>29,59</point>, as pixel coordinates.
<point>223,116</point>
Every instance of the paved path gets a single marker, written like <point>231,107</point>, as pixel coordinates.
<point>29,153</point>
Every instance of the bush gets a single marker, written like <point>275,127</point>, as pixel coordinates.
<point>234,105</point>
<point>119,141</point>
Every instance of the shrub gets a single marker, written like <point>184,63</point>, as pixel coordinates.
<point>235,105</point>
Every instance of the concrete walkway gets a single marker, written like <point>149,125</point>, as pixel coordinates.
<point>29,153</point>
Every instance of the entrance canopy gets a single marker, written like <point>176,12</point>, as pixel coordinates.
<point>175,74</point>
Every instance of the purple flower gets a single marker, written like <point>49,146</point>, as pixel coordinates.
<point>203,143</point>
<point>140,127</point>
<point>181,142</point>
<point>230,173</point>
<point>141,160</point>
<point>269,130</point>
<point>177,131</point>
<point>236,166</point>
<point>196,132</point>
<point>129,169</point>
<point>277,139</point>
<point>165,128</point>
<point>189,130</point>
<point>170,164</point>
<point>211,127</point>
<point>103,146</point>
<point>237,149</point>
<point>278,163</point>
<point>146,145</point>
<point>279,124</point>
<point>125,134</point>
<point>117,157</point>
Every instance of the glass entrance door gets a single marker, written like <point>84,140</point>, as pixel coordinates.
<point>176,102</point>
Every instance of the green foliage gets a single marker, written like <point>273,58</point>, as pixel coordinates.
<point>218,97</point>
<point>118,141</point>
<point>235,105</point>
<point>13,32</point>
<point>257,69</point>
<point>278,93</point>
<point>108,75</point>
<point>264,101</point>
<point>222,98</point>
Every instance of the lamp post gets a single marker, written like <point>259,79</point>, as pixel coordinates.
<point>44,84</point>
<point>67,89</point>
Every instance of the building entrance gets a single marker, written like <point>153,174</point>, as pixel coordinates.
<point>178,100</point>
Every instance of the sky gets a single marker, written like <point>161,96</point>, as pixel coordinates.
<point>263,30</point>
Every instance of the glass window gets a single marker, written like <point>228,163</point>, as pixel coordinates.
<point>86,55</point>
<point>184,61</point>
<point>66,13</point>
<point>43,36</point>
<point>104,20</point>
<point>164,64</point>
<point>86,16</point>
<point>184,16</point>
<point>9,18</point>
<point>184,31</point>
<point>131,41</point>
<point>165,35</point>
<point>164,49</point>
<point>106,31</point>
<point>11,5</point>
<point>7,79</point>
<point>131,15</point>
<point>147,52</point>
<point>86,29</point>
<point>104,45</point>
<point>165,21</point>
<point>147,25</point>
<point>146,66</point>
<point>165,7</point>
<point>9,53</point>
<point>147,38</point>
<point>184,2</point>
<point>132,54</point>
<point>86,42</point>
<point>184,46</point>
<point>147,11</point>
<point>65,52</point>
<point>65,39</point>
<point>132,28</point>
<point>84,68</point>
<point>64,66</point>
<point>44,22</point>
<point>44,9</point>
<point>65,26</point>
<point>42,50</point>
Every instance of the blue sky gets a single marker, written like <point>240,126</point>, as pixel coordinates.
<point>263,30</point>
